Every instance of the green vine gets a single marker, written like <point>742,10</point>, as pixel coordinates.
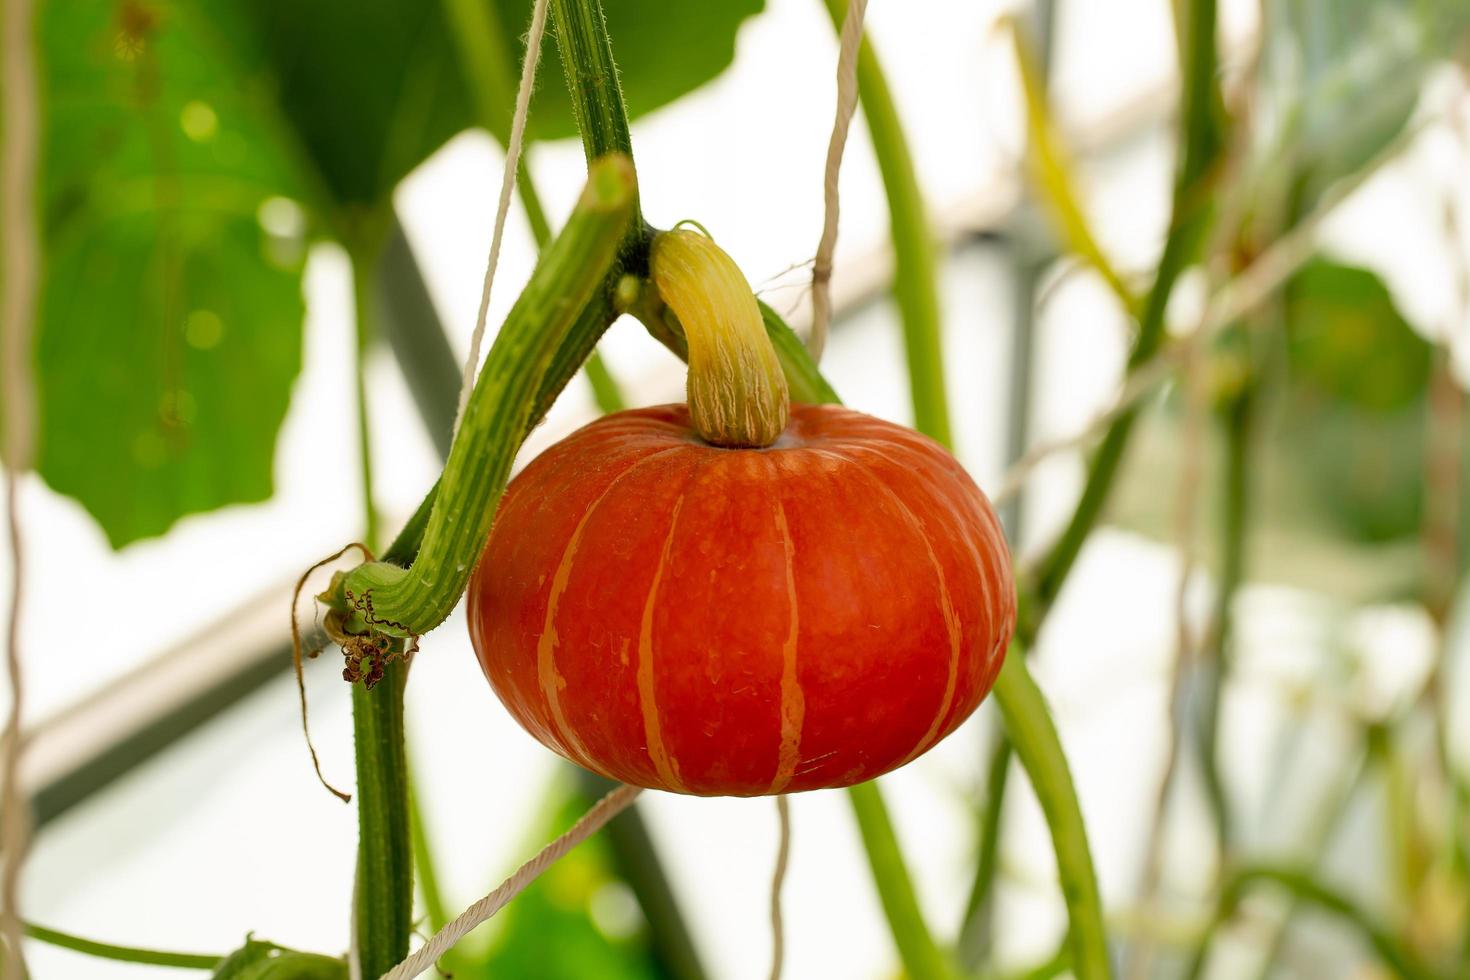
<point>383,598</point>
<point>122,954</point>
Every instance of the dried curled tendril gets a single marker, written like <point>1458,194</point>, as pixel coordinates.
<point>366,655</point>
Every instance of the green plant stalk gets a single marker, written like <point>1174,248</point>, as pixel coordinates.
<point>363,304</point>
<point>1029,725</point>
<point>974,927</point>
<point>1307,889</point>
<point>592,79</point>
<point>915,265</point>
<point>384,892</point>
<point>1030,729</point>
<point>486,57</point>
<point>383,896</point>
<point>1234,519</point>
<point>122,954</point>
<point>1201,141</point>
<point>803,381</point>
<point>921,957</point>
<point>571,272</point>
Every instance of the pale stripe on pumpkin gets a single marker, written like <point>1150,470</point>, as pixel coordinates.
<point>658,753</point>
<point>549,678</point>
<point>793,699</point>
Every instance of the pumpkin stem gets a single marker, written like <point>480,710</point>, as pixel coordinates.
<point>736,390</point>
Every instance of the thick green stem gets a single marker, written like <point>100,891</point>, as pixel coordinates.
<point>487,58</point>
<point>1304,888</point>
<point>574,269</point>
<point>123,954</point>
<point>384,890</point>
<point>921,957</point>
<point>915,252</point>
<point>1029,725</point>
<point>592,77</point>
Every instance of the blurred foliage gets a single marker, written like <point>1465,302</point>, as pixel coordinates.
<point>577,920</point>
<point>170,332</point>
<point>193,149</point>
<point>1340,454</point>
<point>1337,81</point>
<point>1355,412</point>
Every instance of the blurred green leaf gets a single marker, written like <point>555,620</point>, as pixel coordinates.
<point>367,91</point>
<point>664,48</point>
<point>1339,80</point>
<point>1339,453</point>
<point>1355,414</point>
<point>258,960</point>
<point>170,326</point>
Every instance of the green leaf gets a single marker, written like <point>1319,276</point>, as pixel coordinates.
<point>1339,453</point>
<point>170,321</point>
<point>1355,408</point>
<point>258,960</point>
<point>367,91</point>
<point>664,49</point>
<point>1339,80</point>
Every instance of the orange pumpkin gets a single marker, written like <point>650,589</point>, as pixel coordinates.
<point>742,621</point>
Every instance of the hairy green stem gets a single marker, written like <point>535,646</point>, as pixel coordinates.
<point>383,895</point>
<point>571,272</point>
<point>384,892</point>
<point>123,954</point>
<point>1031,731</point>
<point>915,252</point>
<point>1307,889</point>
<point>592,77</point>
<point>487,58</point>
<point>921,956</point>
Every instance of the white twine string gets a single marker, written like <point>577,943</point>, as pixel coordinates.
<point>444,940</point>
<point>507,184</point>
<point>17,204</point>
<point>783,855</point>
<point>847,93</point>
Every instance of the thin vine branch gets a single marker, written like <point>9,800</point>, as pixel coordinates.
<point>122,954</point>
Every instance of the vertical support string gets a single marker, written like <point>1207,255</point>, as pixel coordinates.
<point>19,273</point>
<point>507,184</point>
<point>847,93</point>
<point>783,855</point>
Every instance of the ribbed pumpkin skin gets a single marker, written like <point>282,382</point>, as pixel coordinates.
<point>742,622</point>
